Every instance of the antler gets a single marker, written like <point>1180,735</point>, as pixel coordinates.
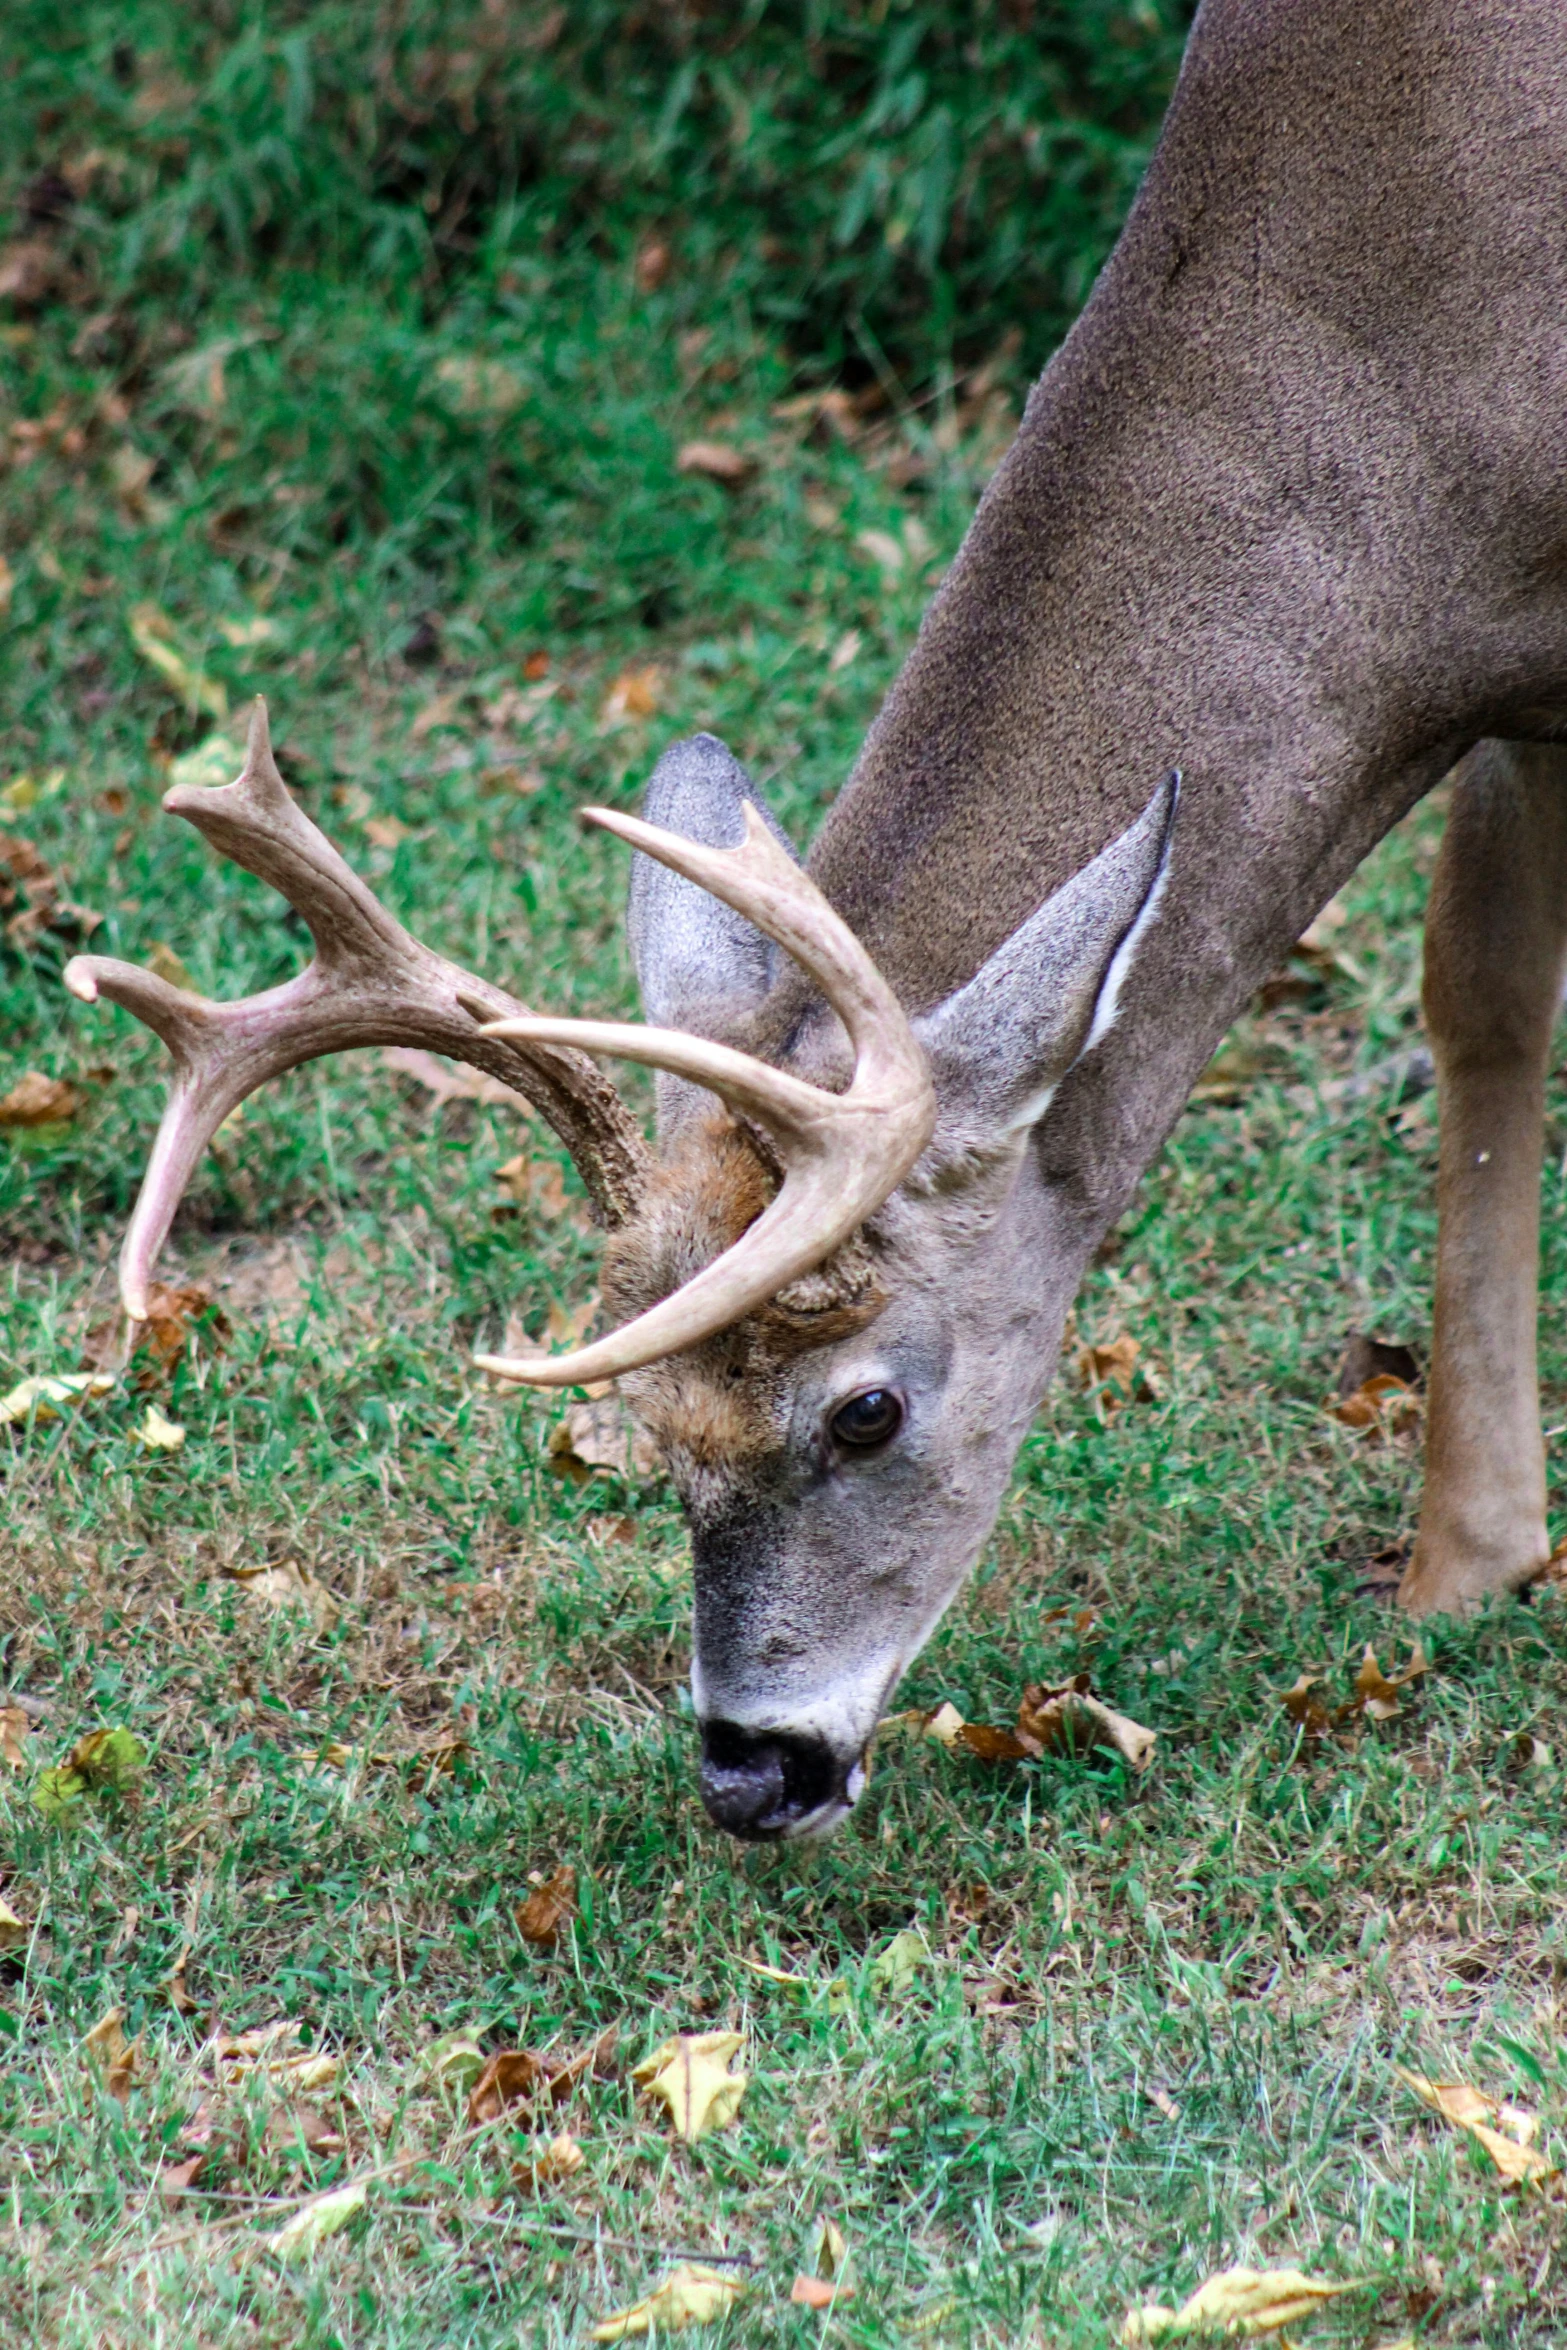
<point>842,1153</point>
<point>370,983</point>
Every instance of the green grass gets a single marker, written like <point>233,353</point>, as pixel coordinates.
<point>1256,1930</point>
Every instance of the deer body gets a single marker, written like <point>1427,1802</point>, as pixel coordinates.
<point>1288,512</point>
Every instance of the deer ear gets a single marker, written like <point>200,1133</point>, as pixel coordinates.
<point>1001,1045</point>
<point>700,966</point>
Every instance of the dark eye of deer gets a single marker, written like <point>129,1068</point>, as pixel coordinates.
<point>868,1420</point>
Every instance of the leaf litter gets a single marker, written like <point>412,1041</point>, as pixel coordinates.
<point>1245,2301</point>
<point>691,2075</point>
<point>1505,2131</point>
<point>691,2294</point>
<point>1375,1698</point>
<point>1063,1718</point>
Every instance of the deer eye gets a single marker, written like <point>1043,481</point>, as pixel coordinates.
<point>868,1420</point>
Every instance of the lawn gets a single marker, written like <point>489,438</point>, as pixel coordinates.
<point>287,411</point>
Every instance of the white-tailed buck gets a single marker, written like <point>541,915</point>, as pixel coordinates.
<point>1288,514</point>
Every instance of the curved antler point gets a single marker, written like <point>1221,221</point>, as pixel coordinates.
<point>81,979</point>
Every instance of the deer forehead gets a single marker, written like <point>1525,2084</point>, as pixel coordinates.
<point>726,1404</point>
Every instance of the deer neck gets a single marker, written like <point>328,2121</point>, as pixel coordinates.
<point>1284,512</point>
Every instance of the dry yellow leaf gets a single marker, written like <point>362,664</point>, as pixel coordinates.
<point>37,1100</point>
<point>322,2216</point>
<point>1470,2110</point>
<point>158,1433</point>
<point>287,1585</point>
<point>15,1729</point>
<point>1245,2301</point>
<point>216,761</point>
<point>152,633</point>
<point>717,461</point>
<point>41,1394</point>
<point>13,1930</point>
<point>111,2055</point>
<point>691,2074</point>
<point>691,2295</point>
<point>635,693</point>
<point>557,2161</point>
<point>269,2050</point>
<point>1059,1719</point>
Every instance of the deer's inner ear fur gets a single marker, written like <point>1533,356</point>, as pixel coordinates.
<point>1001,1045</point>
<point>700,966</point>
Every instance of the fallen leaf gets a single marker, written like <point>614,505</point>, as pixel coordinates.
<point>691,2295</point>
<point>717,461</point>
<point>157,1433</point>
<point>287,1585</point>
<point>15,1729</point>
<point>846,650</point>
<point>1365,1358</point>
<point>516,2076</point>
<point>1058,1720</point>
<point>558,2160</point>
<point>829,2251</point>
<point>1383,1404</point>
<point>37,1100</point>
<point>894,1970</point>
<point>1246,2301</point>
<point>818,2292</point>
<point>447,1080</point>
<point>1469,2109</point>
<point>548,1906</point>
<point>454,2059</point>
<point>39,1396</point>
<point>300,2129</point>
<point>112,2057</point>
<point>105,1762</point>
<point>13,1930</point>
<point>178,2178</point>
<point>30,270</point>
<point>7,586</point>
<point>268,2051</point>
<point>1110,1374</point>
<point>1308,1713</point>
<point>152,633</point>
<point>1163,2103</point>
<point>256,630</point>
<point>161,1341</point>
<point>24,874</point>
<point>320,2218</point>
<point>691,2075</point>
<point>635,693</point>
<point>216,761</point>
<point>387,832</point>
<point>1525,1752</point>
<point>1377,1696</point>
<point>601,1434</point>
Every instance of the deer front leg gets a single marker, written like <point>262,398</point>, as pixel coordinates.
<point>1495,947</point>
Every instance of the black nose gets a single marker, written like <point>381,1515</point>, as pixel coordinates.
<point>762,1783</point>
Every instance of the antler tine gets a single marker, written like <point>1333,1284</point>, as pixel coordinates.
<point>369,983</point>
<point>843,1154</point>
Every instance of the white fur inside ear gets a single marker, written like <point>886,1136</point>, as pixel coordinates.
<point>1107,1009</point>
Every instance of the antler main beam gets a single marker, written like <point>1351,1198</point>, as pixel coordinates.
<point>842,1154</point>
<point>369,983</point>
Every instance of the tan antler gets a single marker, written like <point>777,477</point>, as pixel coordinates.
<point>370,983</point>
<point>842,1154</point>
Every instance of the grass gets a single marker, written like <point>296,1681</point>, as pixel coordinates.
<point>1153,2028</point>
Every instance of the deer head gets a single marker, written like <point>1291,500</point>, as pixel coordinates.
<point>825,1311</point>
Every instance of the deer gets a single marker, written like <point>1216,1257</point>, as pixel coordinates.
<point>1280,544</point>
